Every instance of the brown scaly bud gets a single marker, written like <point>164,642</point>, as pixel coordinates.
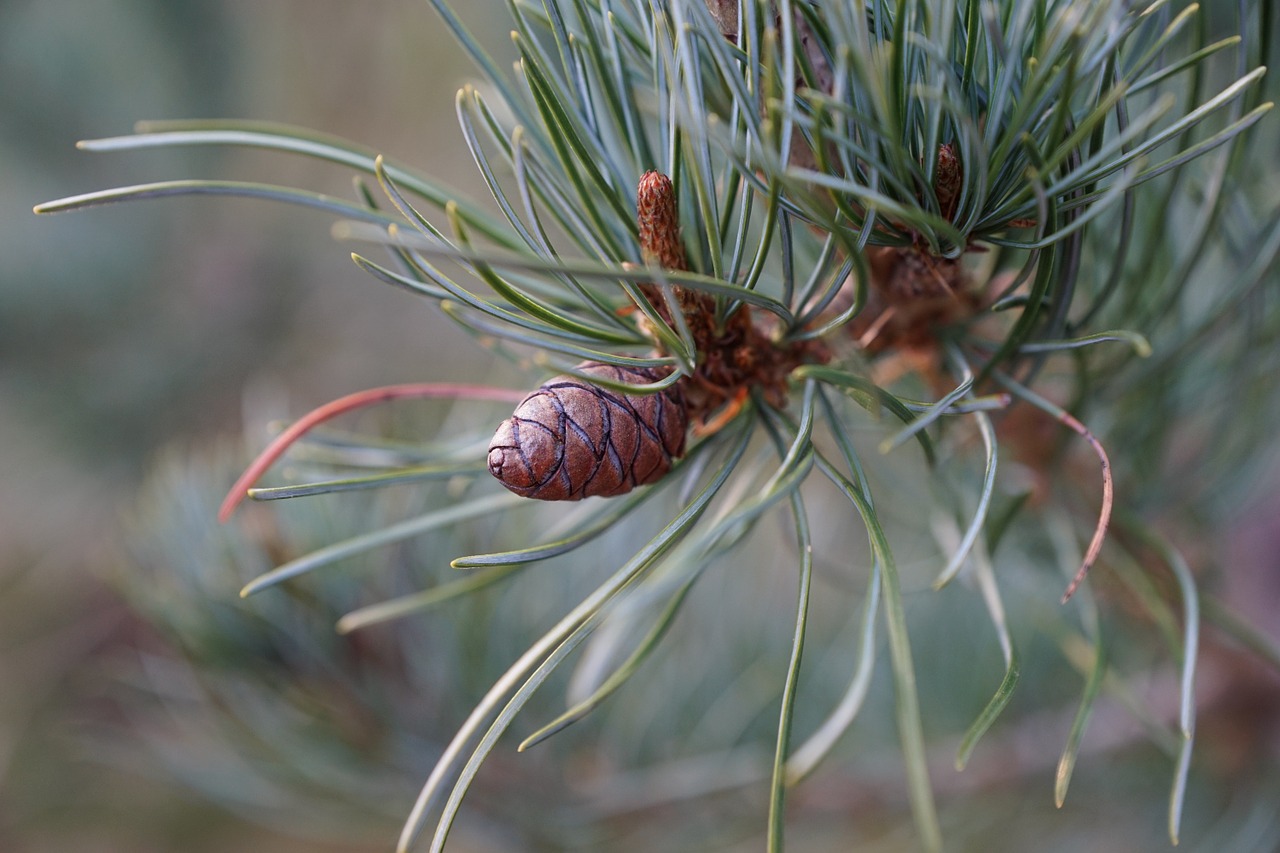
<point>659,222</point>
<point>947,179</point>
<point>659,225</point>
<point>725,14</point>
<point>571,440</point>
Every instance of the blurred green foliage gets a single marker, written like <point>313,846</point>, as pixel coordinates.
<point>120,333</point>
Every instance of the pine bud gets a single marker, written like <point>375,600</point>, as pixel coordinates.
<point>571,440</point>
<point>949,177</point>
<point>658,221</point>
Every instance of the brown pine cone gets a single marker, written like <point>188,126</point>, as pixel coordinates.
<point>571,440</point>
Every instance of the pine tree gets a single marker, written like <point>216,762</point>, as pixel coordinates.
<point>943,287</point>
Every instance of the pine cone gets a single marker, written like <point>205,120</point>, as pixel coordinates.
<point>571,440</point>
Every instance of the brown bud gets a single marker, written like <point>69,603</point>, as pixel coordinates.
<point>947,180</point>
<point>725,14</point>
<point>571,440</point>
<point>659,222</point>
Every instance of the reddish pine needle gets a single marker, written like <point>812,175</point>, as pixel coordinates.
<point>1104,514</point>
<point>1108,491</point>
<point>342,405</point>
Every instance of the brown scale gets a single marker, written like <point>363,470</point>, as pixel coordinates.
<point>913,293</point>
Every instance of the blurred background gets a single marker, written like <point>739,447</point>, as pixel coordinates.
<point>136,342</point>
<point>130,329</point>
